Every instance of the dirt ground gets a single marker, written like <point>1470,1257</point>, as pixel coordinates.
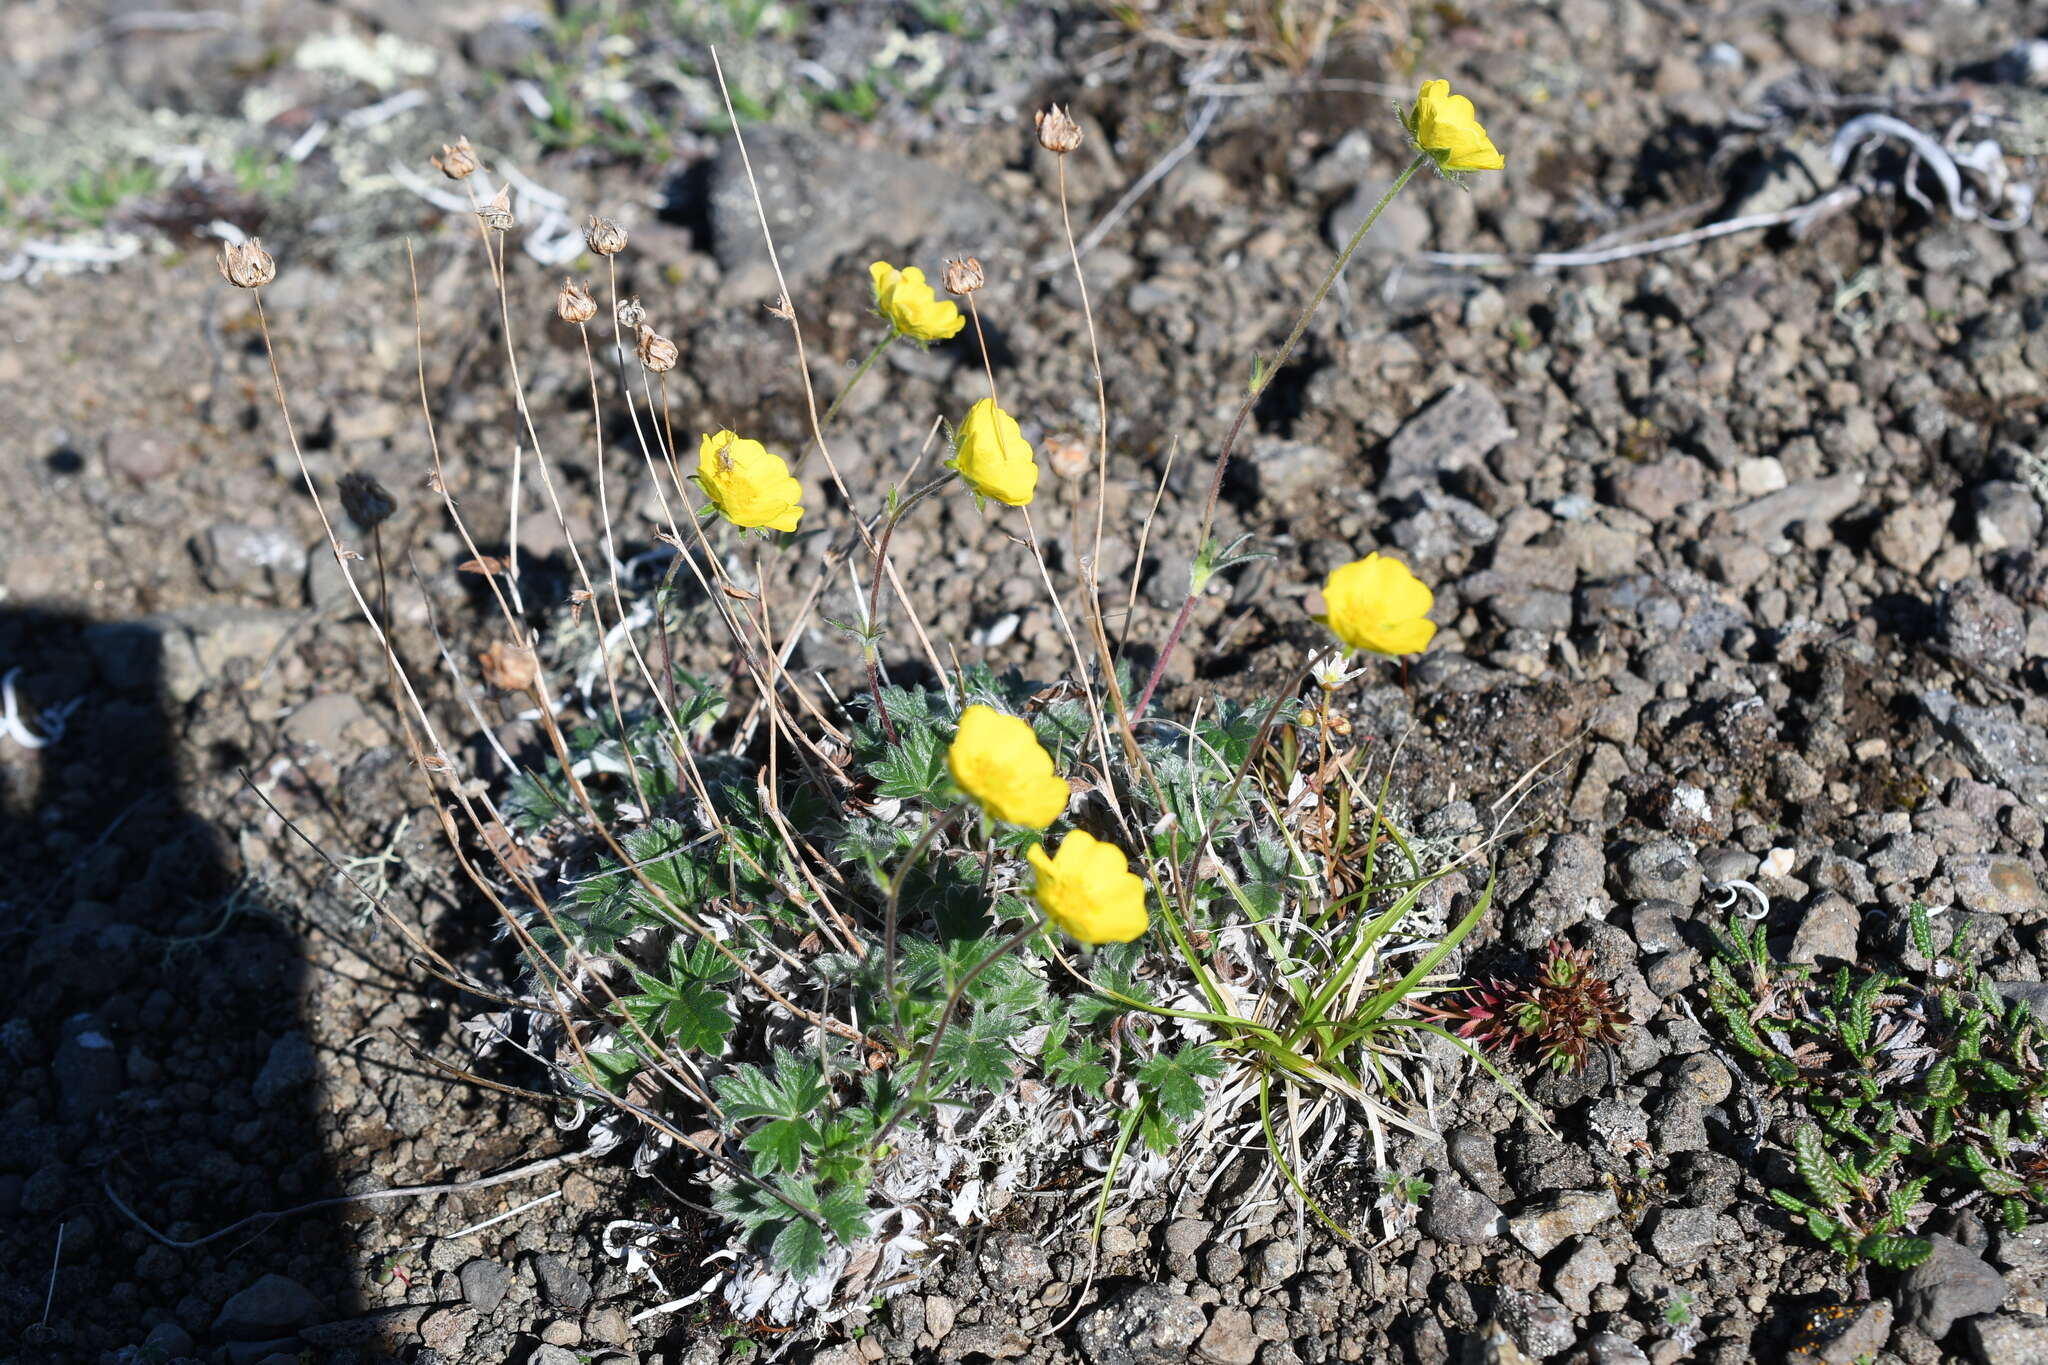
<point>1737,547</point>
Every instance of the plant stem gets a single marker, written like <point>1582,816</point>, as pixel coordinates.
<point>1244,411</point>
<point>865,365</point>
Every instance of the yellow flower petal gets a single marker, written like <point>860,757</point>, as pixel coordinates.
<point>1447,128</point>
<point>912,307</point>
<point>1375,604</point>
<point>998,761</point>
<point>750,487</point>
<point>993,456</point>
<point>1089,890</point>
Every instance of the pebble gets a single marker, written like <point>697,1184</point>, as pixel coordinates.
<point>562,1286</point>
<point>1981,626</point>
<point>288,1068</point>
<point>87,1067</point>
<point>1571,1214</point>
<point>1605,1348</point>
<point>1703,1076</point>
<point>2008,1337</point>
<point>1993,883</point>
<point>1681,1236</point>
<point>1539,1324</point>
<point>447,1329</point>
<point>1229,1339</point>
<point>1827,931</point>
<point>484,1284</point>
<point>1275,1262</point>
<point>267,1307</point>
<point>1663,869</point>
<point>2003,515</point>
<point>1455,1212</point>
<point>1954,1282</point>
<point>1150,1325</point>
<point>1016,1265</point>
<point>1456,430</point>
<point>1589,1267</point>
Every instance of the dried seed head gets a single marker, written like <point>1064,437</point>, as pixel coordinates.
<point>963,277</point>
<point>1068,456</point>
<point>497,215</point>
<point>657,352</point>
<point>1057,131</point>
<point>457,162</point>
<point>574,304</point>
<point>365,500</point>
<point>604,236</point>
<point>508,667</point>
<point>247,265</point>
<point>631,314</point>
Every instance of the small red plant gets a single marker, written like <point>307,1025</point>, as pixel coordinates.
<point>1561,1009</point>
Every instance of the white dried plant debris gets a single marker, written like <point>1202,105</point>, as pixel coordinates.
<point>380,62</point>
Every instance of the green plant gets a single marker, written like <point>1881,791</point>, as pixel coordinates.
<point>92,194</point>
<point>1559,1008</point>
<point>1914,1084</point>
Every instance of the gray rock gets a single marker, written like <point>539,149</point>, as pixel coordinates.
<point>1952,1283</point>
<point>1570,890</point>
<point>168,1341</point>
<point>1703,1077</point>
<point>1442,526</point>
<point>1980,626</point>
<point>2008,1338</point>
<point>1551,1224</point>
<point>275,1351</point>
<point>288,1068</point>
<point>1993,883</point>
<point>1910,535</point>
<point>271,1305</point>
<point>1282,473</point>
<point>1222,1265</point>
<point>1827,931</point>
<point>1681,1236</point>
<point>819,212</point>
<point>1658,489</point>
<point>1455,431</point>
<point>562,1286</point>
<point>335,722</point>
<point>553,1355</point>
<point>484,1284</point>
<point>1681,1124</point>
<point>447,1329</point>
<point>1605,1348</point>
<point>1539,1324</point>
<point>939,1316</point>
<point>1999,749</point>
<point>1016,1265</point>
<point>1151,1325</point>
<point>1472,1155</point>
<point>183,651</point>
<point>1457,1213</point>
<point>1274,1262</point>
<point>87,1068</point>
<point>1808,502</point>
<point>1590,1266</point>
<point>2004,516</point>
<point>1661,870</point>
<point>388,1331</point>
<point>1229,1339</point>
<point>1494,1345</point>
<point>238,555</point>
<point>1858,1338</point>
<point>141,455</point>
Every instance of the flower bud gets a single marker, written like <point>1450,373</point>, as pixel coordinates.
<point>508,667</point>
<point>247,265</point>
<point>497,215</point>
<point>604,236</point>
<point>1057,131</point>
<point>574,304</point>
<point>631,314</point>
<point>365,500</point>
<point>457,162</point>
<point>963,277</point>
<point>657,352</point>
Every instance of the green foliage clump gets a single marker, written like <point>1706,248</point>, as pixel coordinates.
<point>1913,1086</point>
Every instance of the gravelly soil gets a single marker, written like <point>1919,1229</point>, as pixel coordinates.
<point>1737,547</point>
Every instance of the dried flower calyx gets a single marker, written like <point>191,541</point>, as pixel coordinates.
<point>365,500</point>
<point>657,352</point>
<point>574,304</point>
<point>631,314</point>
<point>963,277</point>
<point>604,236</point>
<point>1057,131</point>
<point>497,214</point>
<point>247,265</point>
<point>457,162</point>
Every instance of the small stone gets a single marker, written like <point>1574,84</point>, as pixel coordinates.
<point>1954,1282</point>
<point>271,1305</point>
<point>1229,1339</point>
<point>447,1329</point>
<point>1275,1261</point>
<point>562,1286</point>
<point>1658,489</point>
<point>1980,626</point>
<point>1280,472</point>
<point>168,1341</point>
<point>546,1354</point>
<point>1571,1214</point>
<point>87,1068</point>
<point>1661,870</point>
<point>1459,1214</point>
<point>1605,1348</point>
<point>1703,1076</point>
<point>1495,1346</point>
<point>1859,1337</point>
<point>1222,1265</point>
<point>288,1068</point>
<point>1455,431</point>
<point>237,555</point>
<point>141,455</point>
<point>1539,1324</point>
<point>939,1315</point>
<point>1015,1264</point>
<point>562,1332</point>
<point>1993,883</point>
<point>1909,535</point>
<point>1759,475</point>
<point>2004,516</point>
<point>389,1331</point>
<point>2008,1338</point>
<point>1590,1266</point>
<point>1827,932</point>
<point>484,1284</point>
<point>1151,1325</point>
<point>1681,1236</point>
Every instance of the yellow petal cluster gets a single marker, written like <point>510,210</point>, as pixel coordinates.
<point>993,456</point>
<point>912,306</point>
<point>1089,890</point>
<point>749,486</point>
<point>1446,127</point>
<point>1376,604</point>
<point>999,762</point>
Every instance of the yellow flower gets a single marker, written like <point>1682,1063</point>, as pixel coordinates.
<point>1089,890</point>
<point>999,762</point>
<point>1444,126</point>
<point>993,456</point>
<point>911,306</point>
<point>748,485</point>
<point>1376,604</point>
